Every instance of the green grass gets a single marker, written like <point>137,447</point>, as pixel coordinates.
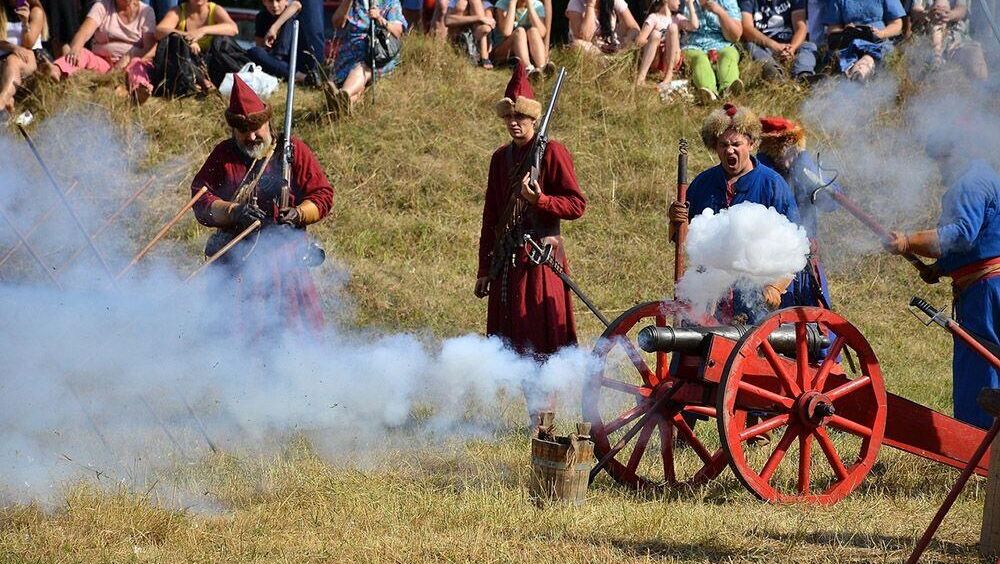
<point>409,178</point>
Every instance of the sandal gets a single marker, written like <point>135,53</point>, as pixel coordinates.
<point>486,63</point>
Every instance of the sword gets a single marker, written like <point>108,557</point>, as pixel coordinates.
<point>543,255</point>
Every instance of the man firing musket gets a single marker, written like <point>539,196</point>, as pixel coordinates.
<point>271,282</point>
<point>529,305</point>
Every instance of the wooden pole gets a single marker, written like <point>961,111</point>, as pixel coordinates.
<point>31,231</point>
<point>108,222</point>
<point>163,231</point>
<point>989,537</point>
<point>34,255</point>
<point>243,235</point>
<point>680,230</point>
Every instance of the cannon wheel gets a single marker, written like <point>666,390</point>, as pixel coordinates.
<point>799,394</point>
<point>645,417</point>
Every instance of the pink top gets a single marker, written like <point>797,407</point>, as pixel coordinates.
<point>115,38</point>
<point>661,22</point>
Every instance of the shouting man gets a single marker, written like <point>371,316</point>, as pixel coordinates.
<point>733,133</point>
<point>967,246</point>
<point>529,305</point>
<point>272,287</point>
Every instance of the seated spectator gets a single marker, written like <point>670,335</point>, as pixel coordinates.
<point>948,26</point>
<point>122,33</point>
<point>22,22</point>
<point>353,69</point>
<point>709,51</point>
<point>273,38</point>
<point>774,32</point>
<point>586,30</point>
<point>62,19</point>
<point>660,38</point>
<point>161,7</point>
<point>522,33</point>
<point>859,33</point>
<point>209,31</point>
<point>472,19</point>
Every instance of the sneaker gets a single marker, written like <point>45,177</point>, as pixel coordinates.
<point>734,89</point>
<point>705,96</point>
<point>549,69</point>
<point>534,74</point>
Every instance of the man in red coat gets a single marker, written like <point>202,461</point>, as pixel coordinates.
<point>528,304</point>
<point>271,284</point>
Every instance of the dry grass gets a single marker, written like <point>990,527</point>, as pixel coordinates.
<point>409,176</point>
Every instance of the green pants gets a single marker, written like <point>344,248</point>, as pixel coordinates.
<point>704,76</point>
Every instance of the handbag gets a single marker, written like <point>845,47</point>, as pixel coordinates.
<point>255,77</point>
<point>386,47</point>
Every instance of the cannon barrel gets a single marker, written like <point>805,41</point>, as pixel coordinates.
<point>691,340</point>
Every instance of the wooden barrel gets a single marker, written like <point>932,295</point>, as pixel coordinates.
<point>560,469</point>
<point>989,538</point>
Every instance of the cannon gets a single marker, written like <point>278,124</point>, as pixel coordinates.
<point>796,406</point>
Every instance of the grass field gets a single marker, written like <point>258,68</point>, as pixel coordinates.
<point>409,176</point>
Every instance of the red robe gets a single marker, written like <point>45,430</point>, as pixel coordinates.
<point>274,268</point>
<point>537,317</point>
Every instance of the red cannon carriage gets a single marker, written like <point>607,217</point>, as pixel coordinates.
<point>798,401</point>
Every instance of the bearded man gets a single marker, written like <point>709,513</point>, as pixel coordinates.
<point>529,306</point>
<point>966,245</point>
<point>783,149</point>
<point>271,284</point>
<point>733,133</point>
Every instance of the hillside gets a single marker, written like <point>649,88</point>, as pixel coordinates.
<point>409,176</point>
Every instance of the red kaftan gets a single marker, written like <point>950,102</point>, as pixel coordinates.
<point>538,314</point>
<point>273,289</point>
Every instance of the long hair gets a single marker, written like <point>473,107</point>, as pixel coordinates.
<point>32,4</point>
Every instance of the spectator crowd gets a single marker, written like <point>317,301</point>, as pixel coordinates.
<point>690,47</point>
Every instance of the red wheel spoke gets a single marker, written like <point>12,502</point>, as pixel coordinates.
<point>692,440</point>
<point>700,410</point>
<point>778,366</point>
<point>765,395</point>
<point>805,462</point>
<point>625,418</point>
<point>841,391</point>
<point>823,438</point>
<point>640,444</point>
<point>765,426</point>
<point>828,362</point>
<point>779,452</point>
<point>667,450</point>
<point>845,424</point>
<point>636,357</point>
<point>625,387</point>
<point>802,356</point>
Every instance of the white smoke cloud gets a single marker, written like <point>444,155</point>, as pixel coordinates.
<point>121,382</point>
<point>747,245</point>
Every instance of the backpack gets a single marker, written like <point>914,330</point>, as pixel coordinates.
<point>175,72</point>
<point>224,56</point>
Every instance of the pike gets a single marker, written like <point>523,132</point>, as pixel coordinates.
<point>24,242</point>
<point>232,243</point>
<point>108,222</point>
<point>31,231</point>
<point>19,123</point>
<point>926,271</point>
<point>163,231</point>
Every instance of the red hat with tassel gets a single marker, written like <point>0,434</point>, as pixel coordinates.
<point>519,98</point>
<point>779,134</point>
<point>246,112</point>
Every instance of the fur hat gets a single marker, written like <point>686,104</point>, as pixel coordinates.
<point>519,98</point>
<point>740,120</point>
<point>246,112</point>
<point>778,135</point>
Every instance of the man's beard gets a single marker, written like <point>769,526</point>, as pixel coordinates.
<point>257,151</point>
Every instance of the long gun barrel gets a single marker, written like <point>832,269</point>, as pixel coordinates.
<point>286,148</point>
<point>692,340</point>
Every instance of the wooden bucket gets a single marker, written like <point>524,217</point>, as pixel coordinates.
<point>560,466</point>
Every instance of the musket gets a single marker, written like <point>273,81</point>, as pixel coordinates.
<point>543,255</point>
<point>927,272</point>
<point>680,228</point>
<point>286,149</point>
<point>508,228</point>
<point>163,230</point>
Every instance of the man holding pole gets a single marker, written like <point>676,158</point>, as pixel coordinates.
<point>272,287</point>
<point>529,305</point>
<point>966,245</point>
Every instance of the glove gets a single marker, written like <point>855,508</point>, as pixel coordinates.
<point>245,214</point>
<point>290,216</point>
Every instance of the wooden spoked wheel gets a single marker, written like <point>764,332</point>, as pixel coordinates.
<point>628,401</point>
<point>801,403</point>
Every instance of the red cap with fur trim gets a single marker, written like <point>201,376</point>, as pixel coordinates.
<point>778,134</point>
<point>519,97</point>
<point>246,112</point>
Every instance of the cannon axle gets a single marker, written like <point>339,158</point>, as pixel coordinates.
<point>692,340</point>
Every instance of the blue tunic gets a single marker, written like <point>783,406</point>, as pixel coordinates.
<point>807,289</point>
<point>762,185</point>
<point>969,231</point>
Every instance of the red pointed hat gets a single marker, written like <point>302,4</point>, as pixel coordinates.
<point>246,112</point>
<point>778,134</point>
<point>519,97</point>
